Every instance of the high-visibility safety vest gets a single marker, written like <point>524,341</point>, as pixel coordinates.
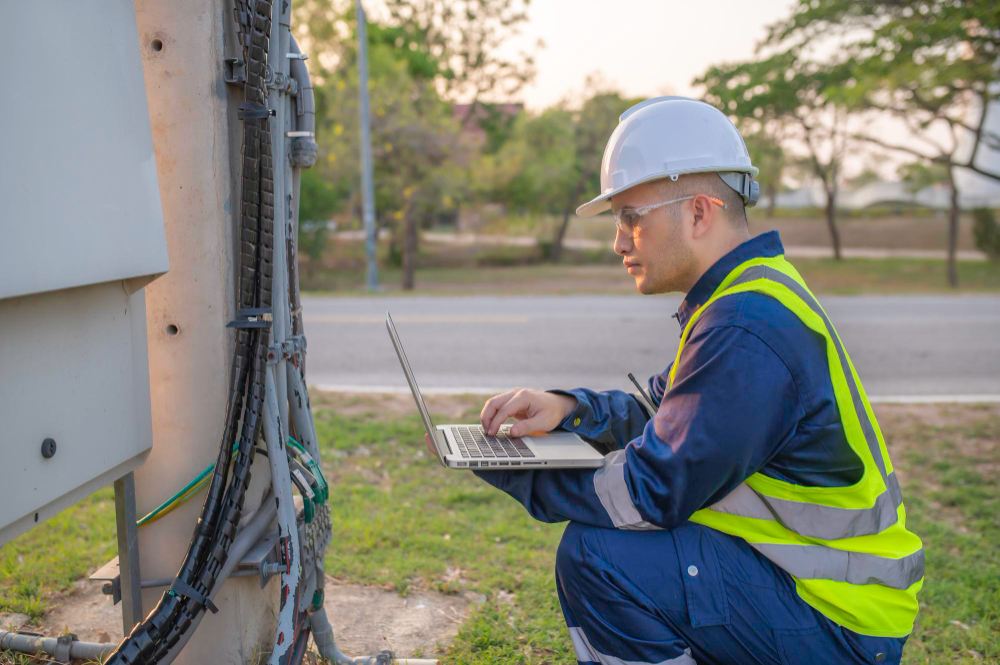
<point>847,548</point>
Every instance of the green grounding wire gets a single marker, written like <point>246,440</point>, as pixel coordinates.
<point>181,497</point>
<point>185,493</point>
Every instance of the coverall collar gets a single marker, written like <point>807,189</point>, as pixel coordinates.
<point>766,244</point>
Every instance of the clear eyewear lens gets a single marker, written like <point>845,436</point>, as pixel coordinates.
<point>627,219</point>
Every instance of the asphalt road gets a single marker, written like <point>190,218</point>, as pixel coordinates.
<point>904,347</point>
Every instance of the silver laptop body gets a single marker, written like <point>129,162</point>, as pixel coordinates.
<point>468,446</point>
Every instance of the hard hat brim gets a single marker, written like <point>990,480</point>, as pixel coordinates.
<point>602,202</point>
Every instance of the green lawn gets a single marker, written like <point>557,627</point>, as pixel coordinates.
<point>498,270</point>
<point>402,521</point>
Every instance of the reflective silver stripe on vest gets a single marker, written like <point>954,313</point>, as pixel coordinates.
<point>586,653</point>
<point>766,272</point>
<point>609,484</point>
<point>818,562</point>
<point>816,521</point>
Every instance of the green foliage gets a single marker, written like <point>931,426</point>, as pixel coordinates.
<point>781,98</point>
<point>318,200</point>
<point>932,64</point>
<point>551,159</point>
<point>461,44</point>
<point>767,154</point>
<point>422,56</point>
<point>537,165</point>
<point>919,175</point>
<point>986,232</point>
<point>597,118</point>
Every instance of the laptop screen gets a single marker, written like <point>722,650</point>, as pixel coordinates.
<point>424,413</point>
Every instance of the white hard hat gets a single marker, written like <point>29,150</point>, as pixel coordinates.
<point>666,137</point>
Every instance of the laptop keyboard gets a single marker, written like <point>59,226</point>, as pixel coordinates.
<point>473,443</point>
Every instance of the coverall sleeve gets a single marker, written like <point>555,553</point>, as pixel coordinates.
<point>733,405</point>
<point>610,418</point>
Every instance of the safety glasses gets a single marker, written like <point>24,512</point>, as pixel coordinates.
<point>627,219</point>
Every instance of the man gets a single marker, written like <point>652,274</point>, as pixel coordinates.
<point>755,516</point>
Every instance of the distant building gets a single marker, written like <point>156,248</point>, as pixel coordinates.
<point>985,192</point>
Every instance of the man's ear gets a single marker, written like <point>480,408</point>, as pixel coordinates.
<point>703,216</point>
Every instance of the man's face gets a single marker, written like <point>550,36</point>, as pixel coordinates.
<point>658,254</point>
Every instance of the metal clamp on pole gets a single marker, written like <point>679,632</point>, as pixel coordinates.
<point>251,318</point>
<point>235,72</point>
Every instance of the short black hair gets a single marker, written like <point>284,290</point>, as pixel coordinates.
<point>712,185</point>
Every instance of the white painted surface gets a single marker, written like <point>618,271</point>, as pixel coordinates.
<point>79,202</point>
<point>73,369</point>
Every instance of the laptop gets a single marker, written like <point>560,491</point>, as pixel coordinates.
<point>469,447</point>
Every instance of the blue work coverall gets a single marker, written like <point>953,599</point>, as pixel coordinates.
<point>752,393</point>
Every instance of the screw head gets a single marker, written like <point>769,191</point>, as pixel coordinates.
<point>48,448</point>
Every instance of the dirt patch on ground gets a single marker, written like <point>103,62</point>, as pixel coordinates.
<point>974,429</point>
<point>972,432</point>
<point>366,620</point>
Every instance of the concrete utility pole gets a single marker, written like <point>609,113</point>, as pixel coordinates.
<point>367,185</point>
<point>197,138</point>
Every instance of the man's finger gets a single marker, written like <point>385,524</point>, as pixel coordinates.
<point>514,405</point>
<point>493,405</point>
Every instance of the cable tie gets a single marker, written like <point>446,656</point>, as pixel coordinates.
<point>252,317</point>
<point>182,588</point>
<point>254,111</point>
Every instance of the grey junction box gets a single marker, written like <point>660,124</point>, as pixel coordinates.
<point>81,232</point>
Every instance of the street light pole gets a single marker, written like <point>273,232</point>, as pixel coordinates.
<point>367,186</point>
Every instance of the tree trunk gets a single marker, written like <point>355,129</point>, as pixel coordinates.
<point>831,222</point>
<point>953,214</point>
<point>557,241</point>
<point>409,250</point>
<point>772,200</point>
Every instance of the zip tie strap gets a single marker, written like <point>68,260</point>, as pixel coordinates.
<point>182,588</point>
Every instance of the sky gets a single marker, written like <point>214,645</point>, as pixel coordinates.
<point>640,47</point>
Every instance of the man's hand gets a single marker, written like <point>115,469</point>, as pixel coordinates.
<point>535,411</point>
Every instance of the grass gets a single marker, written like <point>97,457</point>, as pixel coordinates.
<point>825,276</point>
<point>404,523</point>
<point>949,463</point>
<point>48,559</point>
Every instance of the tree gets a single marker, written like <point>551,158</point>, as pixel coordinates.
<point>986,232</point>
<point>593,124</point>
<point>932,64</point>
<point>423,56</point>
<point>535,166</point>
<point>767,155</point>
<point>464,38</point>
<point>788,97</point>
<point>416,148</point>
<point>552,160</point>
<point>920,175</point>
<point>318,201</point>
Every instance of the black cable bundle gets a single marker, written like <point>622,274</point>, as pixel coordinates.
<point>189,594</point>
